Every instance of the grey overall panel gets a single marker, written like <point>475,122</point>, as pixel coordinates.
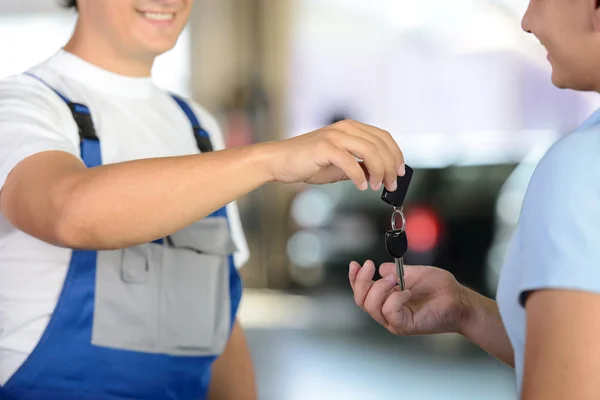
<point>194,317</point>
<point>169,299</point>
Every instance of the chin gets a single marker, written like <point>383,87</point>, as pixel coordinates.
<point>574,81</point>
<point>573,84</point>
<point>559,83</point>
<point>158,50</point>
<point>155,49</point>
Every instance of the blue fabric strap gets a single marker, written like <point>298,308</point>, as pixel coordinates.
<point>89,143</point>
<point>202,139</point>
<point>201,135</point>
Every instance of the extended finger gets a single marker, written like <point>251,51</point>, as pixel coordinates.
<point>363,283</point>
<point>376,297</point>
<point>411,272</point>
<point>387,269</point>
<point>353,273</point>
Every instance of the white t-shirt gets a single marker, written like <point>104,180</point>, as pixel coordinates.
<point>557,242</point>
<point>133,118</point>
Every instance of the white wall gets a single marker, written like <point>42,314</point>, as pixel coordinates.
<point>28,6</point>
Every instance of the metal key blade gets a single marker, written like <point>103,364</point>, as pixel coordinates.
<point>400,271</point>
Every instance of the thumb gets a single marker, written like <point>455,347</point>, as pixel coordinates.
<point>394,311</point>
<point>396,301</point>
<point>403,297</point>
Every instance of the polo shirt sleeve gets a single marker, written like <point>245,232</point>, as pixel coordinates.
<point>31,121</point>
<point>559,227</point>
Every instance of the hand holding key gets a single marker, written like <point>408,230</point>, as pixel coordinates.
<point>433,302</point>
<point>332,154</point>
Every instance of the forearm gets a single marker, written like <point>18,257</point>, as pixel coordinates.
<point>483,326</point>
<point>233,373</point>
<point>125,204</point>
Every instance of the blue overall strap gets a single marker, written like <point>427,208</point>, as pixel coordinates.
<point>89,143</point>
<point>202,137</point>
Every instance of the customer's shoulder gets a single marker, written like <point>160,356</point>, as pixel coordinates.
<point>569,172</point>
<point>583,143</point>
<point>578,152</point>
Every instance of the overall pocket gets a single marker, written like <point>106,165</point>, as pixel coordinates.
<point>195,309</point>
<point>126,301</point>
<point>169,299</point>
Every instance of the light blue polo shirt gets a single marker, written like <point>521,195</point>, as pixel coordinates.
<point>557,242</point>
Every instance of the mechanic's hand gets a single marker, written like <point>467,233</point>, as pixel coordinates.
<point>330,155</point>
<point>433,301</point>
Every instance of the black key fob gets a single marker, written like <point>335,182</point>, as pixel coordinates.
<point>397,197</point>
<point>396,243</point>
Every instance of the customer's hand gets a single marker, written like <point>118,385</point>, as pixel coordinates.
<point>331,155</point>
<point>433,302</point>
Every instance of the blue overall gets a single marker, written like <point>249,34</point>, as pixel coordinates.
<point>65,365</point>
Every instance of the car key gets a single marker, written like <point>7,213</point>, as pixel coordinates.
<point>396,241</point>
<point>396,198</point>
<point>396,244</point>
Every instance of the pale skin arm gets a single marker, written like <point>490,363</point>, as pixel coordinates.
<point>53,197</point>
<point>433,302</point>
<point>484,327</point>
<point>562,356</point>
<point>232,373</point>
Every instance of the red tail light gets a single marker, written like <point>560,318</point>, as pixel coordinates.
<point>422,228</point>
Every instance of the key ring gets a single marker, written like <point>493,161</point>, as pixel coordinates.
<point>400,212</point>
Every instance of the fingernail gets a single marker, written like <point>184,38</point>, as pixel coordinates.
<point>377,186</point>
<point>391,278</point>
<point>364,185</point>
<point>394,186</point>
<point>402,170</point>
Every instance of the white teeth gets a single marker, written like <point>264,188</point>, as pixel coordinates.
<point>159,16</point>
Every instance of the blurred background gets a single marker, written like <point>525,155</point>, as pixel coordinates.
<point>466,94</point>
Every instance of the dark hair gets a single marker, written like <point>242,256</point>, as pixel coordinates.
<point>70,4</point>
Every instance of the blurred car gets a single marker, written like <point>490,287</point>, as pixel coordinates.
<point>450,222</point>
